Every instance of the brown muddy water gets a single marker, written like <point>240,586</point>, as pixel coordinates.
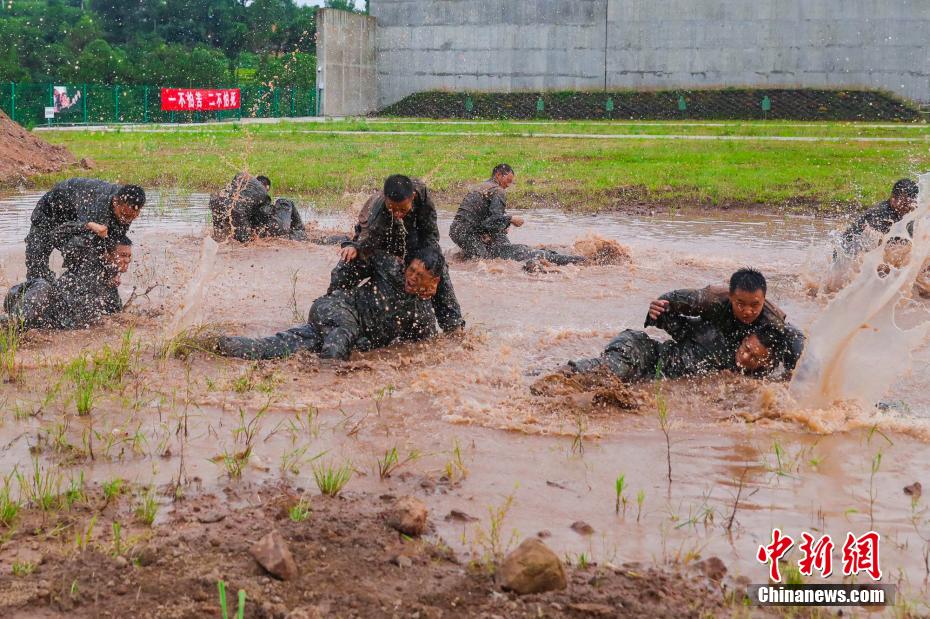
<point>463,408</point>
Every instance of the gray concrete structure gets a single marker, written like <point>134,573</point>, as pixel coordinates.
<point>346,71</point>
<point>544,45</point>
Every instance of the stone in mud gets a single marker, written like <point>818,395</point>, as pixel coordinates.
<point>582,528</point>
<point>459,516</point>
<point>272,553</point>
<point>593,610</point>
<point>712,567</point>
<point>408,515</point>
<point>914,490</point>
<point>531,568</point>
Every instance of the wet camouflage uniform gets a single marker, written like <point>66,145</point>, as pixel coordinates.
<point>705,336</point>
<point>480,229</point>
<point>879,218</point>
<point>79,297</point>
<point>372,315</point>
<point>377,231</point>
<point>76,201</point>
<point>244,208</point>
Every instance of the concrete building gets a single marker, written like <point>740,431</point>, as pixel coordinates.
<point>545,45</point>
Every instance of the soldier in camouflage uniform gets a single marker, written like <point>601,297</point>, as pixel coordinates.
<point>481,223</point>
<point>712,329</point>
<point>879,219</point>
<point>244,209</point>
<point>393,305</point>
<point>399,220</point>
<point>85,292</point>
<point>88,205</point>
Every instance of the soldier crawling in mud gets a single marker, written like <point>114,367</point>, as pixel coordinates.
<point>481,223</point>
<point>244,209</point>
<point>712,329</point>
<point>879,219</point>
<point>81,205</point>
<point>393,305</point>
<point>86,291</point>
<point>400,220</point>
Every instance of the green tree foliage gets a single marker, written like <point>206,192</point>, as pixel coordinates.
<point>180,43</point>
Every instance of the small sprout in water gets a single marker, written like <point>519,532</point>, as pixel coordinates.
<point>146,507</point>
<point>619,486</point>
<point>331,479</point>
<point>640,499</point>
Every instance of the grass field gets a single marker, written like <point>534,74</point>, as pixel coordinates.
<point>585,165</point>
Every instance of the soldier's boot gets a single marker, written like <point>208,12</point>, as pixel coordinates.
<point>337,344</point>
<point>283,344</point>
<point>561,259</point>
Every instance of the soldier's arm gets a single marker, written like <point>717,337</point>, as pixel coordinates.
<point>75,241</point>
<point>56,200</point>
<point>370,234</point>
<point>683,302</point>
<point>794,346</point>
<point>498,220</point>
<point>851,241</point>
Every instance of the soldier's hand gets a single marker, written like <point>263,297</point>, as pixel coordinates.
<point>98,229</point>
<point>657,308</point>
<point>516,221</point>
<point>348,254</point>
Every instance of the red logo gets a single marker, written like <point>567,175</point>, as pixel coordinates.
<point>860,554</point>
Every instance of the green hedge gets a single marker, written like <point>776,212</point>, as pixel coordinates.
<point>726,104</point>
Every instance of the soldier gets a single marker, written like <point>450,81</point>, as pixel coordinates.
<point>399,220</point>
<point>879,219</point>
<point>712,329</point>
<point>86,291</point>
<point>393,305</point>
<point>105,209</point>
<point>244,209</point>
<point>481,223</point>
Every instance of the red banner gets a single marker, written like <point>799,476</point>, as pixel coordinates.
<point>199,99</point>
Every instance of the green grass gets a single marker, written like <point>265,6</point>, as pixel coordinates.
<point>310,161</point>
<point>331,479</point>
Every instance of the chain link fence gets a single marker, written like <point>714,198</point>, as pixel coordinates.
<point>726,104</point>
<point>101,104</point>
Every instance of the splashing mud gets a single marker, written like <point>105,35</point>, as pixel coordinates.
<point>599,250</point>
<point>859,345</point>
<point>188,312</point>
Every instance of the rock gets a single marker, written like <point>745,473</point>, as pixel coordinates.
<point>531,568</point>
<point>305,612</point>
<point>210,517</point>
<point>544,534</point>
<point>582,528</point>
<point>402,561</point>
<point>272,553</point>
<point>408,515</point>
<point>712,567</point>
<point>459,516</point>
<point>914,490</point>
<point>121,561</point>
<point>147,555</point>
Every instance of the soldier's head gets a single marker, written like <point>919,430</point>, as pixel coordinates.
<point>747,294</point>
<point>503,175</point>
<point>127,203</point>
<point>904,196</point>
<point>265,181</point>
<point>119,253</point>
<point>755,353</point>
<point>398,195</point>
<point>424,268</point>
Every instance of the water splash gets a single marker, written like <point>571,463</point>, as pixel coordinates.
<point>186,316</point>
<point>857,347</point>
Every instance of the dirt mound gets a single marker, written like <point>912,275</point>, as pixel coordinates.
<point>22,154</point>
<point>602,251</point>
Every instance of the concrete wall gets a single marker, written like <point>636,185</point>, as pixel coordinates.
<point>519,45</point>
<point>346,63</point>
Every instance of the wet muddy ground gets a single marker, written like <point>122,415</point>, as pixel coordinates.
<point>473,440</point>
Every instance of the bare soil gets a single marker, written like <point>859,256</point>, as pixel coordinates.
<point>23,154</point>
<point>351,564</point>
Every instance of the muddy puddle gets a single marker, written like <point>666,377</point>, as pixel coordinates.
<point>468,432</point>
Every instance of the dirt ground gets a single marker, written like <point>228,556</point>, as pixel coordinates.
<point>23,154</point>
<point>351,564</point>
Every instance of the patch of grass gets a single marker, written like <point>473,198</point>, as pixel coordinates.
<point>10,339</point>
<point>42,487</point>
<point>9,506</point>
<point>23,568</point>
<point>578,172</point>
<point>491,540</point>
<point>331,479</point>
<point>391,462</point>
<point>455,469</point>
<point>112,488</point>
<point>146,507</point>
<point>199,338</point>
<point>300,511</point>
<point>619,486</point>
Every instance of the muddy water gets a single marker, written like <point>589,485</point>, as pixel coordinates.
<point>558,458</point>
